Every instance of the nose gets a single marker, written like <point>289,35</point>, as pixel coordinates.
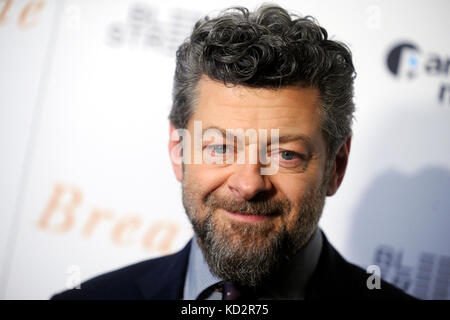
<point>247,181</point>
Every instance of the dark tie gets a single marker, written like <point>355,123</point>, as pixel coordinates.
<point>230,291</point>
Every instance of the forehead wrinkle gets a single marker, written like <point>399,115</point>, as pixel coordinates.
<point>276,113</point>
<point>237,96</point>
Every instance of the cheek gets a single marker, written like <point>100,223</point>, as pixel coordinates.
<point>205,180</point>
<point>291,187</point>
<point>295,189</point>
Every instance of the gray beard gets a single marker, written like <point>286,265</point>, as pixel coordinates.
<point>259,252</point>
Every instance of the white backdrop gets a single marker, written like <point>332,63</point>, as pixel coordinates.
<point>86,187</point>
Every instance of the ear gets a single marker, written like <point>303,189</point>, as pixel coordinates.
<point>338,170</point>
<point>176,152</point>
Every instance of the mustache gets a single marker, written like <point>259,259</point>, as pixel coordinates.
<point>245,207</point>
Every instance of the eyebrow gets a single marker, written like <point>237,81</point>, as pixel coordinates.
<point>282,139</point>
<point>296,137</point>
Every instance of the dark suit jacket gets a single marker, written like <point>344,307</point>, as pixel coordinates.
<point>163,279</point>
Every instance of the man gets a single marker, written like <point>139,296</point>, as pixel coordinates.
<point>256,229</point>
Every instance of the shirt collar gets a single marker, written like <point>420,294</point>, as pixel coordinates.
<point>198,275</point>
<point>289,283</point>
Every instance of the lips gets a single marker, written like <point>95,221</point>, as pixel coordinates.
<point>247,217</point>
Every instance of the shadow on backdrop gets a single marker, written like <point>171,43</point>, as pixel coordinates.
<point>402,225</point>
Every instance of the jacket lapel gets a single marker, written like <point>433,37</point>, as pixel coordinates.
<point>324,282</point>
<point>165,280</point>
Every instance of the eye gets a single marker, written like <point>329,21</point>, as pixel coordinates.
<point>289,155</point>
<point>290,159</point>
<point>219,149</point>
<point>218,154</point>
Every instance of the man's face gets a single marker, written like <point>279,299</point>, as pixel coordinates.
<point>246,222</point>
